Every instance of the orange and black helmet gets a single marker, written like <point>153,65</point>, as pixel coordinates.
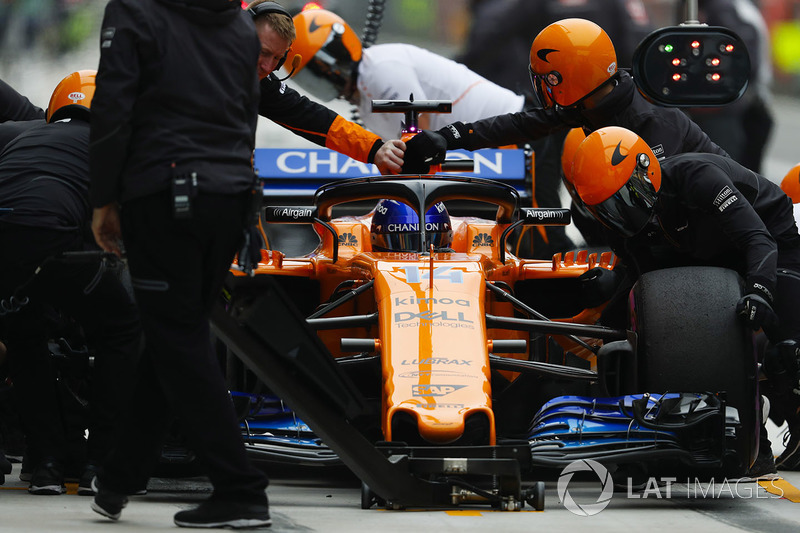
<point>571,142</point>
<point>72,96</point>
<point>618,178</point>
<point>791,184</point>
<point>330,51</point>
<point>570,60</point>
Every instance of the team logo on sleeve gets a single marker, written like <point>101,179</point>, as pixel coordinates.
<point>724,198</point>
<point>106,36</point>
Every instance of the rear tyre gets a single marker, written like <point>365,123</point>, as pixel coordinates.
<point>691,340</point>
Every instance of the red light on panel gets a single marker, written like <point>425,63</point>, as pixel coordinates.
<point>729,48</point>
<point>713,61</point>
<point>695,44</point>
<point>676,61</point>
<point>676,77</point>
<point>713,77</point>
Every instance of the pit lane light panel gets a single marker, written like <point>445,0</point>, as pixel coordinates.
<point>692,65</point>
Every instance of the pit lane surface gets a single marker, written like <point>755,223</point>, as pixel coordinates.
<point>303,500</point>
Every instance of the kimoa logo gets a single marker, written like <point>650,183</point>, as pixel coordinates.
<point>418,301</point>
<point>585,465</point>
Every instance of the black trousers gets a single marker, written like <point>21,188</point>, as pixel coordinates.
<point>177,269</point>
<point>107,316</point>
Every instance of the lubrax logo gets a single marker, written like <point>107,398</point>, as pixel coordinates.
<point>405,316</point>
<point>436,361</point>
<point>442,301</point>
<point>434,390</point>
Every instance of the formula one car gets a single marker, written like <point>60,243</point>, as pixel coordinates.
<point>443,373</point>
<point>442,376</point>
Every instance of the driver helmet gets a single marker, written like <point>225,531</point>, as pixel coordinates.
<point>329,53</point>
<point>791,184</point>
<point>569,61</point>
<point>395,227</point>
<point>72,96</point>
<point>574,138</point>
<point>618,178</point>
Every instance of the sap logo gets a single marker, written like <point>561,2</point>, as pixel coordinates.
<point>482,239</point>
<point>436,361</point>
<point>348,239</point>
<point>434,390</point>
<point>425,301</point>
<point>405,316</point>
<point>444,273</point>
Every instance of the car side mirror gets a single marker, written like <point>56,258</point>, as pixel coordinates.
<point>692,66</point>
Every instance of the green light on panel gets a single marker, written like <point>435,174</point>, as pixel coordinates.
<point>668,48</point>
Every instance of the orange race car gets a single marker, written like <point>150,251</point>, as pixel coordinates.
<point>441,368</point>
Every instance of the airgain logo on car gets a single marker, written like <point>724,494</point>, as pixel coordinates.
<point>434,390</point>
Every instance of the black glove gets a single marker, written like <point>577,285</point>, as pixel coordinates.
<point>756,308</point>
<point>598,285</point>
<point>423,150</point>
<point>782,366</point>
<point>250,252</point>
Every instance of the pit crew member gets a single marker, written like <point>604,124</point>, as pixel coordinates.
<point>573,68</point>
<point>709,210</point>
<point>172,139</point>
<point>306,118</point>
<point>335,65</point>
<point>44,178</point>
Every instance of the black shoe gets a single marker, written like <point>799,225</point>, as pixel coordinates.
<point>216,513</point>
<point>790,458</point>
<point>26,471</point>
<point>107,503</point>
<point>47,479</point>
<point>5,464</point>
<point>85,482</point>
<point>764,466</point>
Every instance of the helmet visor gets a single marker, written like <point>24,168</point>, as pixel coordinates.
<point>543,86</point>
<point>409,241</point>
<point>327,73</point>
<point>629,209</point>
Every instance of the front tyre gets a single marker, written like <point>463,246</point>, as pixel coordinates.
<point>691,340</point>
